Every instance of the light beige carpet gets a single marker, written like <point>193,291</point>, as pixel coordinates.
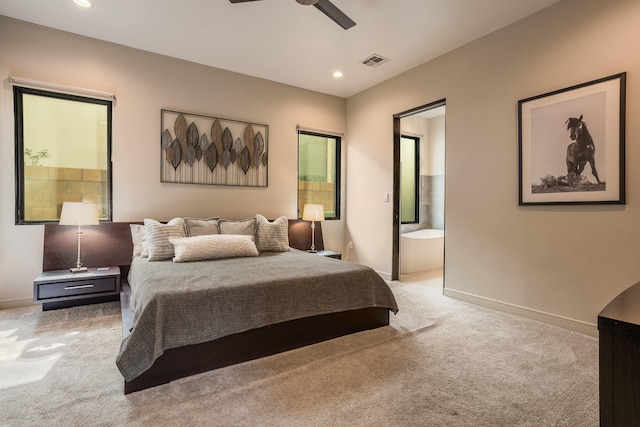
<point>441,362</point>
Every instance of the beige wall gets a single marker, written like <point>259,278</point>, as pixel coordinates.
<point>144,83</point>
<point>418,126</point>
<point>432,141</point>
<point>560,263</point>
<point>435,156</point>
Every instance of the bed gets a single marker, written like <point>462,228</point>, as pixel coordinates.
<point>181,319</point>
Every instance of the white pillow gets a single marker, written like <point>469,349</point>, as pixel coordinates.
<point>158,235</point>
<point>139,240</point>
<point>213,246</point>
<point>272,236</point>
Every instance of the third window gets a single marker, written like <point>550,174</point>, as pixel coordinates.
<point>319,172</point>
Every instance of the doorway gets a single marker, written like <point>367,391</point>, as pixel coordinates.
<point>424,125</point>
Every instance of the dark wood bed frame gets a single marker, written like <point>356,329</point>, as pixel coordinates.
<point>109,244</point>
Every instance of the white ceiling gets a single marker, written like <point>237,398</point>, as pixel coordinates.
<point>281,40</point>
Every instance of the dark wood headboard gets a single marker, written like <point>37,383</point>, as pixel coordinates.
<point>109,244</point>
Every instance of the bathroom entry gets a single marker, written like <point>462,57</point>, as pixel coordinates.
<point>418,200</point>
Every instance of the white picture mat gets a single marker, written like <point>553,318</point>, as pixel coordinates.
<point>544,140</point>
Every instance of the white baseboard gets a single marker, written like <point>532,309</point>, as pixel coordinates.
<point>16,303</point>
<point>554,319</point>
<point>385,276</point>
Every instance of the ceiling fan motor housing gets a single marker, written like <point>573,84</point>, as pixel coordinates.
<point>324,6</point>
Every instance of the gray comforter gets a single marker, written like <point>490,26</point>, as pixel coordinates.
<point>177,304</point>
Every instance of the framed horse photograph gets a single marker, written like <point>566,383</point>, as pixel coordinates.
<point>571,144</point>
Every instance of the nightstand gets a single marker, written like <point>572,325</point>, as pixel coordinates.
<point>330,254</point>
<point>61,288</point>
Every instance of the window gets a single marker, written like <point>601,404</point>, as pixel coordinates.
<point>409,175</point>
<point>319,172</point>
<point>63,153</point>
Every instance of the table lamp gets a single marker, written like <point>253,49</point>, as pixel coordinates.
<point>79,213</point>
<point>313,213</point>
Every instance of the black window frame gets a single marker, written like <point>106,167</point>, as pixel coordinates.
<point>416,194</point>
<point>18,92</point>
<point>338,172</point>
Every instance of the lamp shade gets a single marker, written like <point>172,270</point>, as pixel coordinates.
<point>79,213</point>
<point>313,212</point>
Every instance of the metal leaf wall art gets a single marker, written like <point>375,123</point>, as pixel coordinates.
<point>209,150</point>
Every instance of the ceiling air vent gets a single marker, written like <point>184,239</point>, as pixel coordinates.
<point>374,60</point>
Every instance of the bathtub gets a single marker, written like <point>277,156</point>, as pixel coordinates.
<point>421,250</point>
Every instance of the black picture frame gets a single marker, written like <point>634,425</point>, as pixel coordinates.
<point>560,133</point>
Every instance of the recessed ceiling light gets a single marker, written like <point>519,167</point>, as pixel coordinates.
<point>83,3</point>
<point>337,74</point>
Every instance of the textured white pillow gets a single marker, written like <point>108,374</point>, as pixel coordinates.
<point>158,235</point>
<point>213,246</point>
<point>272,236</point>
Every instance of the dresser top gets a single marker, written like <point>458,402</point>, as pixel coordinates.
<point>624,308</point>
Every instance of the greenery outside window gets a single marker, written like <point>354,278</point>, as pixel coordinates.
<point>409,179</point>
<point>63,153</point>
<point>319,172</point>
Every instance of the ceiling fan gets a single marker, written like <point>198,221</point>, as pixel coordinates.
<point>324,6</point>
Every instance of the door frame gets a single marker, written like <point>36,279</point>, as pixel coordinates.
<point>395,253</point>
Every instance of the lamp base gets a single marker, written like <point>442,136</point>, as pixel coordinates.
<point>78,269</point>
<point>312,251</point>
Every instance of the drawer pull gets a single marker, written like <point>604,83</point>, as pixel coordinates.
<point>78,287</point>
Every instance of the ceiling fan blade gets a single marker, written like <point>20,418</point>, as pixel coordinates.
<point>338,16</point>
<point>240,1</point>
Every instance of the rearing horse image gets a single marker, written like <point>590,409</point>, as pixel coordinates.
<point>582,149</point>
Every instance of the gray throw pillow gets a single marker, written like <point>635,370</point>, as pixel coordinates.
<point>245,227</point>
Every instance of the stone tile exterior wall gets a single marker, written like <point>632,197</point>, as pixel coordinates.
<point>47,187</point>
<point>316,192</point>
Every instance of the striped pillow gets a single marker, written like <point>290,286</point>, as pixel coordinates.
<point>158,235</point>
<point>272,236</point>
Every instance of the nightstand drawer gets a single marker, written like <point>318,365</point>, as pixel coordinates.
<point>76,287</point>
